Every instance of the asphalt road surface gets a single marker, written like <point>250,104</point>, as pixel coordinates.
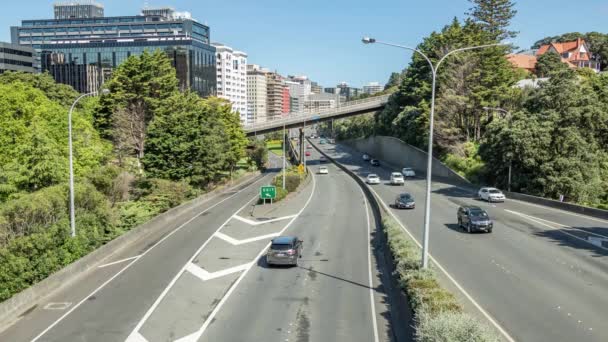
<point>542,275</point>
<point>207,279</point>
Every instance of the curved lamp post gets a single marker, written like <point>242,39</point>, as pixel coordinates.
<point>434,68</point>
<point>72,214</point>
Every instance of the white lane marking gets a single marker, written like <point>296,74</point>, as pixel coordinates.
<point>369,264</point>
<point>555,223</point>
<point>539,221</point>
<point>135,260</point>
<point>462,290</point>
<point>57,306</point>
<point>237,242</point>
<point>137,337</point>
<point>257,223</point>
<point>560,211</point>
<point>204,275</point>
<point>196,335</point>
<point>119,261</point>
<point>133,335</point>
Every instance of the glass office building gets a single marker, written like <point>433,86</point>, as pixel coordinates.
<point>83,52</point>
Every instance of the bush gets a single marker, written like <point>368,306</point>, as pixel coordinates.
<point>162,194</point>
<point>438,315</point>
<point>469,164</point>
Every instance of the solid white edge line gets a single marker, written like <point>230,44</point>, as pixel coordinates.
<point>369,264</point>
<point>132,336</point>
<point>460,288</point>
<point>134,261</point>
<point>196,335</point>
<point>534,219</point>
<point>557,224</point>
<point>118,261</point>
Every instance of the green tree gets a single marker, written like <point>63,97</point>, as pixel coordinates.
<point>138,86</point>
<point>186,141</point>
<point>231,126</point>
<point>549,63</point>
<point>257,153</point>
<point>494,16</point>
<point>393,81</point>
<point>61,93</point>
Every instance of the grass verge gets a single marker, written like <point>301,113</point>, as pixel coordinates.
<point>275,146</point>
<point>438,315</point>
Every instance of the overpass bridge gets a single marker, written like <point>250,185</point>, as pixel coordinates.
<point>295,120</point>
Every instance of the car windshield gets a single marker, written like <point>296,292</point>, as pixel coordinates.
<point>407,169</point>
<point>372,176</point>
<point>397,175</point>
<point>406,196</point>
<point>280,247</point>
<point>478,213</point>
<point>494,191</point>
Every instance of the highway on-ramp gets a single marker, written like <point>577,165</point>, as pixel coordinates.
<point>541,275</point>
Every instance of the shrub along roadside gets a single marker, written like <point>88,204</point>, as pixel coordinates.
<point>438,315</point>
<point>292,181</point>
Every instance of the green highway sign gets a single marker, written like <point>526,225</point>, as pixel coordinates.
<point>268,192</point>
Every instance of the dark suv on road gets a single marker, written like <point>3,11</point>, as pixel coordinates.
<point>284,250</point>
<point>474,219</point>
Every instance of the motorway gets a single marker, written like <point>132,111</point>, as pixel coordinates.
<point>206,279</point>
<point>542,275</point>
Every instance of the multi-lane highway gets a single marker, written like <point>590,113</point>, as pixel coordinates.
<point>207,280</point>
<point>542,275</point>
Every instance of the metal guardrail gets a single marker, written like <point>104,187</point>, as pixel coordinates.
<point>308,116</point>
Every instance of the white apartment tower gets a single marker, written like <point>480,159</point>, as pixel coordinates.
<point>232,78</point>
<point>257,94</point>
<point>372,88</point>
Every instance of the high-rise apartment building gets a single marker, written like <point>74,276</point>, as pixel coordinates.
<point>275,85</point>
<point>82,52</point>
<point>16,58</point>
<point>320,102</point>
<point>256,94</point>
<point>286,100</point>
<point>372,88</point>
<point>300,87</point>
<point>347,91</point>
<point>232,78</point>
<point>316,88</point>
<point>77,10</point>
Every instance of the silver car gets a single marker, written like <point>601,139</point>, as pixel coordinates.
<point>284,250</point>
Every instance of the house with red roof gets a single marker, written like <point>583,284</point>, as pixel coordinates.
<point>574,53</point>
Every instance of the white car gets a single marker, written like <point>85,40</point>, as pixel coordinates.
<point>366,157</point>
<point>373,178</point>
<point>397,179</point>
<point>491,195</point>
<point>323,170</point>
<point>408,172</point>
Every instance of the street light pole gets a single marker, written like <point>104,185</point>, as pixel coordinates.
<point>284,143</point>
<point>71,160</point>
<point>434,68</point>
<point>509,117</point>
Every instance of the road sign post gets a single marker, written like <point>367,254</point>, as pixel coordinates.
<point>268,192</point>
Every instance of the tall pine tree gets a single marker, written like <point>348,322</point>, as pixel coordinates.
<point>494,16</point>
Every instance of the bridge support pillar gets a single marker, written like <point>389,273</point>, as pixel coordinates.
<point>302,147</point>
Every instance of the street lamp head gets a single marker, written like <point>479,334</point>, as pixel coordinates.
<point>368,40</point>
<point>105,91</point>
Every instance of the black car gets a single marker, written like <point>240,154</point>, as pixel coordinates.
<point>284,250</point>
<point>474,219</point>
<point>375,162</point>
<point>405,201</point>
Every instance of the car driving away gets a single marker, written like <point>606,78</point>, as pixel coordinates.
<point>375,162</point>
<point>284,250</point>
<point>307,153</point>
<point>474,219</point>
<point>322,159</point>
<point>405,201</point>
<point>373,178</point>
<point>397,179</point>
<point>408,172</point>
<point>491,195</point>
<point>366,157</point>
<point>323,170</point>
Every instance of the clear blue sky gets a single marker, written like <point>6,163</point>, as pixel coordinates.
<point>321,39</point>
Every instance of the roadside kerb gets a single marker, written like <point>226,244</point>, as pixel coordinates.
<point>22,301</point>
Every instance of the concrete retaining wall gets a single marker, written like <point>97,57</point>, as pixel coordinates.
<point>12,307</point>
<point>575,208</point>
<point>396,152</point>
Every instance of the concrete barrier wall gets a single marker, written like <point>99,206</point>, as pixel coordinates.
<point>575,208</point>
<point>396,152</point>
<point>173,218</point>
